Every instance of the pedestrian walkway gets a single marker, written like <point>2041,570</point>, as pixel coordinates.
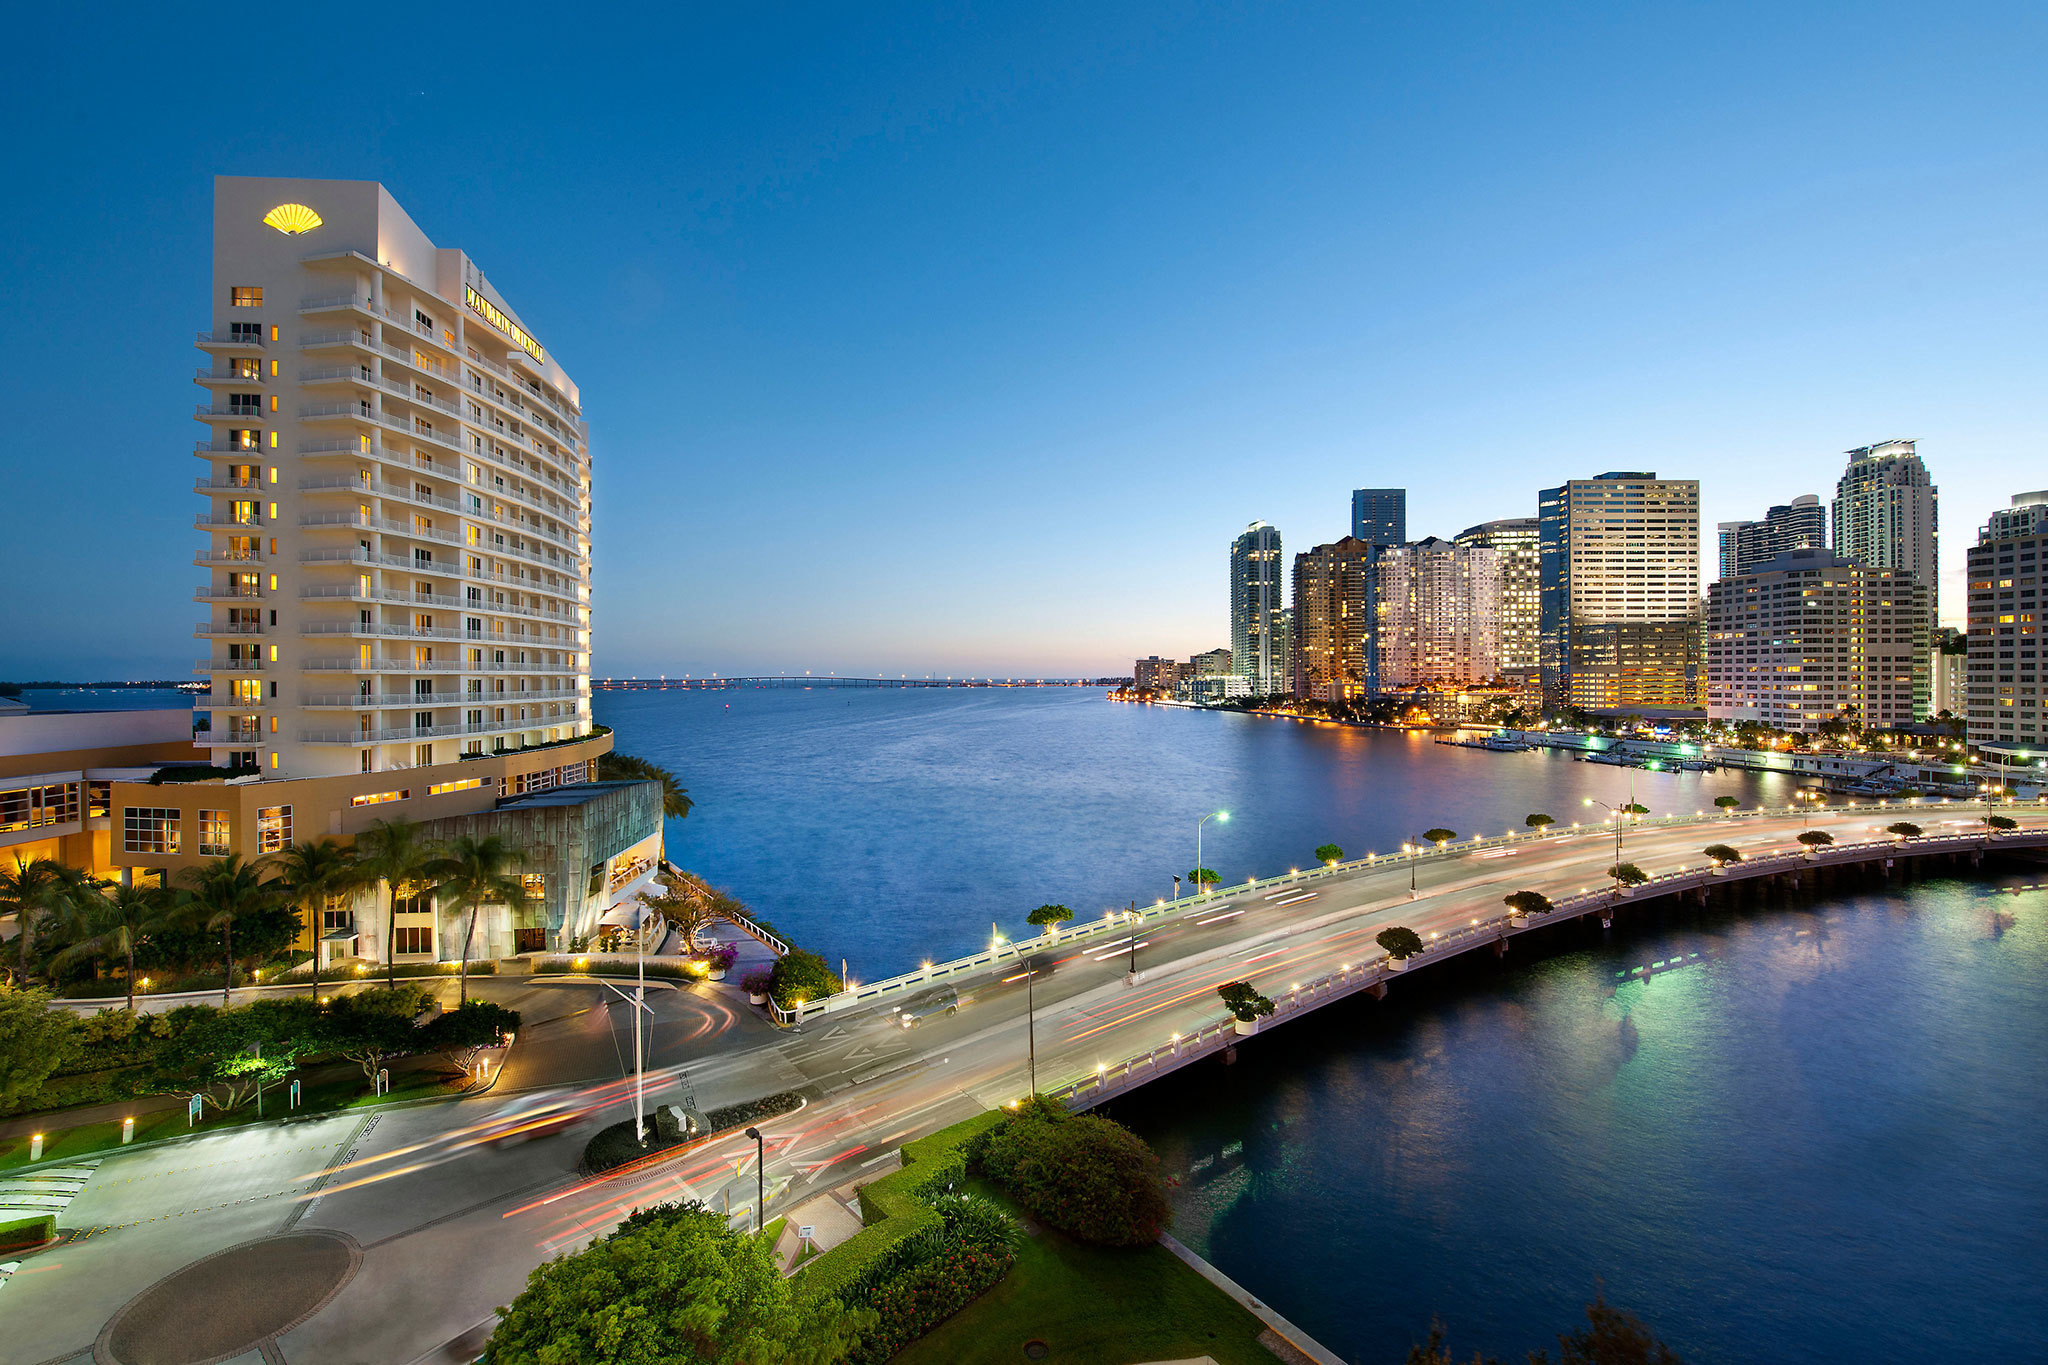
<point>34,1192</point>
<point>832,1216</point>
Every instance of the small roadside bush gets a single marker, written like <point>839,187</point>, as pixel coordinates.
<point>1723,853</point>
<point>800,975</point>
<point>1400,941</point>
<point>1816,838</point>
<point>2001,822</point>
<point>920,1299</point>
<point>1528,903</point>
<point>1243,1001</point>
<point>1086,1175</point>
<point>1628,874</point>
<point>1905,829</point>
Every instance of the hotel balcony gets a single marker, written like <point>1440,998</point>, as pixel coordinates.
<point>206,557</point>
<point>223,629</point>
<point>354,338</point>
<point>438,568</point>
<point>206,374</point>
<point>358,630</point>
<point>360,665</point>
<point>220,523</point>
<point>387,701</point>
<point>229,666</point>
<point>228,341</point>
<point>358,521</point>
<point>407,734</point>
<point>338,303</point>
<point>208,593</point>
<point>339,374</point>
<point>226,485</point>
<point>237,413</point>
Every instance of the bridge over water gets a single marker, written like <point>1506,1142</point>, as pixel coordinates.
<point>806,681</point>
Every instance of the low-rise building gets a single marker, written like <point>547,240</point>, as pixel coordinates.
<point>1211,664</point>
<point>1156,674</point>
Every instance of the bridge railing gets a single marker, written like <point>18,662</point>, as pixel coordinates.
<point>1111,1078</point>
<point>1012,950</point>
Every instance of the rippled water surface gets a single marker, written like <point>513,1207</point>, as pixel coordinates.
<point>892,826</point>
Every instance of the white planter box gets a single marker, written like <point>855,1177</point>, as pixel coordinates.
<point>1397,964</point>
<point>1243,1027</point>
<point>1519,921</point>
<point>715,975</point>
<point>753,999</point>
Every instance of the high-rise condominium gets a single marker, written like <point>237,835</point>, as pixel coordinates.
<point>1379,516</point>
<point>1334,593</point>
<point>1809,637</point>
<point>2008,604</point>
<point>1257,652</point>
<point>1521,587</point>
<point>397,497</point>
<point>1886,513</point>
<point>1439,614</point>
<point>1800,524</point>
<point>1621,585</point>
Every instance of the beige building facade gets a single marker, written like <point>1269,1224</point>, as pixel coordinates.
<point>1439,614</point>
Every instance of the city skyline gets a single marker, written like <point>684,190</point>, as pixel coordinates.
<point>924,288</point>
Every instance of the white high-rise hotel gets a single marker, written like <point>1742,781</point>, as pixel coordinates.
<point>397,488</point>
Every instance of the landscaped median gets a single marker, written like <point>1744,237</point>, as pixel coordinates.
<point>616,1145</point>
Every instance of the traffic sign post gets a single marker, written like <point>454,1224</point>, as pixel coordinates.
<point>195,1109</point>
<point>295,1095</point>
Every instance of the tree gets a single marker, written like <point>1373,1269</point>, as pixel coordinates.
<point>1723,854</point>
<point>229,1054</point>
<point>1528,903</point>
<point>1201,877</point>
<point>1538,822</point>
<point>1081,1173</point>
<point>1329,854</point>
<point>1049,916</point>
<point>1816,838</point>
<point>1611,1337</point>
<point>798,976</point>
<point>685,903</point>
<point>459,1034</point>
<point>221,893</point>
<point>675,1285</point>
<point>1905,829</point>
<point>35,1040</point>
<point>1726,803</point>
<point>474,872</point>
<point>392,852</point>
<point>1634,808</point>
<point>34,890</point>
<point>1628,874</point>
<point>308,874</point>
<point>1439,837</point>
<point>1400,941</point>
<point>106,921</point>
<point>372,1027</point>
<point>1243,1002</point>
<point>2001,822</point>
<point>617,767</point>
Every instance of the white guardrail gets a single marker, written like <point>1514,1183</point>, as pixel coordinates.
<point>1110,1079</point>
<point>1011,950</point>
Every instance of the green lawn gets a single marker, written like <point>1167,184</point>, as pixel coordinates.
<point>1093,1306</point>
<point>335,1091</point>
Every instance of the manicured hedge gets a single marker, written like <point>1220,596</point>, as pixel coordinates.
<point>17,1233</point>
<point>902,1226</point>
<point>913,1303</point>
<point>566,966</point>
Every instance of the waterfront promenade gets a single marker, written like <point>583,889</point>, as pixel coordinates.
<point>410,1191</point>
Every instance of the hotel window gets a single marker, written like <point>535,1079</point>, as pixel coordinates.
<point>242,440</point>
<point>213,833</point>
<point>246,296</point>
<point>423,755</point>
<point>336,916</point>
<point>246,331</point>
<point>245,404</point>
<point>245,367</point>
<point>412,940</point>
<point>273,828</point>
<point>149,829</point>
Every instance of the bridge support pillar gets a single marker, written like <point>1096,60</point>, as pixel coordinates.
<point>1500,947</point>
<point>1230,1055</point>
<point>1377,990</point>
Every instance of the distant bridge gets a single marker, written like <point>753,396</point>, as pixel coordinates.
<point>807,681</point>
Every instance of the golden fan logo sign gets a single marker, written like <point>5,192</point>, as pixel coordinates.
<point>491,313</point>
<point>292,219</point>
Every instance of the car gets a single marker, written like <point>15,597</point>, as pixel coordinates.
<point>535,1116</point>
<point>944,1000</point>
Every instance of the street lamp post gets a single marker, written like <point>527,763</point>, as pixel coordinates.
<point>1221,817</point>
<point>760,1178</point>
<point>1619,813</point>
<point>1409,850</point>
<point>1031,1024</point>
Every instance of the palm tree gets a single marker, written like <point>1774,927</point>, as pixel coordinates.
<point>112,919</point>
<point>675,801</point>
<point>220,892</point>
<point>308,874</point>
<point>392,852</point>
<point>33,891</point>
<point>473,873</point>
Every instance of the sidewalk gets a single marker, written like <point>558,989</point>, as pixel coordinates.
<point>833,1216</point>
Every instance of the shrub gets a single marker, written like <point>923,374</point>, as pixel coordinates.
<point>1539,821</point>
<point>1084,1174</point>
<point>752,1111</point>
<point>1528,903</point>
<point>615,1145</point>
<point>1049,916</point>
<point>1723,853</point>
<point>1816,838</point>
<point>902,1227</point>
<point>1400,941</point>
<point>719,958</point>
<point>1726,802</point>
<point>799,975</point>
<point>758,982</point>
<point>1628,874</point>
<point>1905,829</point>
<point>17,1234</point>
<point>924,1296</point>
<point>1242,1001</point>
<point>1439,835</point>
<point>1329,853</point>
<point>2001,822</point>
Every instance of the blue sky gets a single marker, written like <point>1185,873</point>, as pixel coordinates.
<point>963,339</point>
